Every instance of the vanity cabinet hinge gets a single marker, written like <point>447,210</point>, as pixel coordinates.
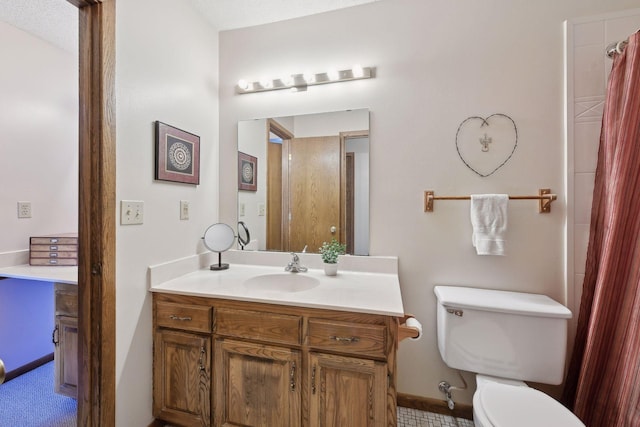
<point>292,377</point>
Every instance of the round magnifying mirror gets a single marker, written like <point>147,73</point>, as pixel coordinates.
<point>243,235</point>
<point>219,238</point>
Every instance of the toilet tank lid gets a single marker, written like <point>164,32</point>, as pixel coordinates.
<point>500,301</point>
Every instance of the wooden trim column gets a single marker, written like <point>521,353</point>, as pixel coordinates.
<point>96,216</point>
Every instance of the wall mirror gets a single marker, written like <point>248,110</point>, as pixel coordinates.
<point>304,179</point>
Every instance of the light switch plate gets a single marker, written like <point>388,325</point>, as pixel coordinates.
<point>131,212</point>
<point>261,209</point>
<point>184,210</point>
<point>24,209</point>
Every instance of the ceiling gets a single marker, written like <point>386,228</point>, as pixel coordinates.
<point>56,20</point>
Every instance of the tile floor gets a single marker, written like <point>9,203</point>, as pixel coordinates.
<point>414,418</point>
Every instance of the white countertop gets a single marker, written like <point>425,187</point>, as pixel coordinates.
<point>373,293</point>
<point>57,274</point>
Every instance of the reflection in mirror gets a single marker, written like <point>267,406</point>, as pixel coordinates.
<point>312,182</point>
<point>219,238</point>
<point>243,235</point>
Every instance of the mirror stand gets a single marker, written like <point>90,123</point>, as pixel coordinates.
<point>219,265</point>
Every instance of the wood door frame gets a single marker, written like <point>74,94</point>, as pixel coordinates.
<point>283,133</point>
<point>96,213</point>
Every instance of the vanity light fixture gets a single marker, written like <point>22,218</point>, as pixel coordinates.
<point>300,82</point>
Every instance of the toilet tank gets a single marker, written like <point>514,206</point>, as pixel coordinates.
<point>505,334</point>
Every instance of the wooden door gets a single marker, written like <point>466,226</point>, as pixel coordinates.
<point>66,356</point>
<point>182,378</point>
<point>257,385</point>
<point>316,192</point>
<point>346,391</point>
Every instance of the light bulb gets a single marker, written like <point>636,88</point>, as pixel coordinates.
<point>357,71</point>
<point>287,80</point>
<point>333,75</point>
<point>309,78</point>
<point>266,83</point>
<point>243,84</point>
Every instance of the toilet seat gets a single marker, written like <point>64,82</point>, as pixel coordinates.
<point>504,405</point>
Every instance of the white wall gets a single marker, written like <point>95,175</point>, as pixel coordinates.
<point>39,152</point>
<point>167,70</point>
<point>360,149</point>
<point>254,133</point>
<point>438,62</point>
<point>39,140</point>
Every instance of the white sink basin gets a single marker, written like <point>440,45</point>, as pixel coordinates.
<point>282,282</point>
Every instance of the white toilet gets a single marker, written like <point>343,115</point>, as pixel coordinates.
<point>506,338</point>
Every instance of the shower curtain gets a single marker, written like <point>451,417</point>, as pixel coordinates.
<point>603,381</point>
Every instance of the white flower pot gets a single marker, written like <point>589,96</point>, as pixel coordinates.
<point>330,269</point>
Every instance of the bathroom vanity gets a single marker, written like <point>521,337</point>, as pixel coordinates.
<point>256,346</point>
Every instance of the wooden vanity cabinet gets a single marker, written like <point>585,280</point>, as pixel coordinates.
<point>182,363</point>
<point>256,385</point>
<point>65,339</point>
<point>273,365</point>
<point>348,389</point>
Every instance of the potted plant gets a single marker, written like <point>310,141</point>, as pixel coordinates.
<point>329,252</point>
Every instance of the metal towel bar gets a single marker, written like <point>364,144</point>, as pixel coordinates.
<point>544,198</point>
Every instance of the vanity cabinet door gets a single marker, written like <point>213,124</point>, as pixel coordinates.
<point>346,391</point>
<point>65,338</point>
<point>182,378</point>
<point>256,385</point>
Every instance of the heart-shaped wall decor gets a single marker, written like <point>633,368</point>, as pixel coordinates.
<point>486,144</point>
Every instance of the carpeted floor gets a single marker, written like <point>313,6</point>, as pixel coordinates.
<point>29,401</point>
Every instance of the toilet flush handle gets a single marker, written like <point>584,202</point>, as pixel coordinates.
<point>458,313</point>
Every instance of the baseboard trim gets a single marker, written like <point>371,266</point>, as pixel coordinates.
<point>28,367</point>
<point>435,405</point>
<point>408,401</point>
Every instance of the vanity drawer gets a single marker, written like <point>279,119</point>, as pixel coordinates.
<point>347,337</point>
<point>256,325</point>
<point>66,299</point>
<point>183,316</point>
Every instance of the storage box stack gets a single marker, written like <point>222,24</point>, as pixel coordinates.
<point>60,249</point>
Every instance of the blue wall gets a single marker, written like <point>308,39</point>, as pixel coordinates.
<point>26,321</point>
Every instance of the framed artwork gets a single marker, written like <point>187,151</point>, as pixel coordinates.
<point>177,155</point>
<point>247,172</point>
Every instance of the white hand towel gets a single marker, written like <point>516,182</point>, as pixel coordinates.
<point>489,221</point>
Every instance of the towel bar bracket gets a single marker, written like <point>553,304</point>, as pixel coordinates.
<point>544,204</point>
<point>544,198</point>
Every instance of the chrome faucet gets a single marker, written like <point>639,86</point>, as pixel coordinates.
<point>294,266</point>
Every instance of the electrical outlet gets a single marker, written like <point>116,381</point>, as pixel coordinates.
<point>24,209</point>
<point>261,209</point>
<point>131,212</point>
<point>184,209</point>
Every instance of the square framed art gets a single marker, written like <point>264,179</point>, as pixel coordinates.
<point>247,172</point>
<point>177,155</point>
